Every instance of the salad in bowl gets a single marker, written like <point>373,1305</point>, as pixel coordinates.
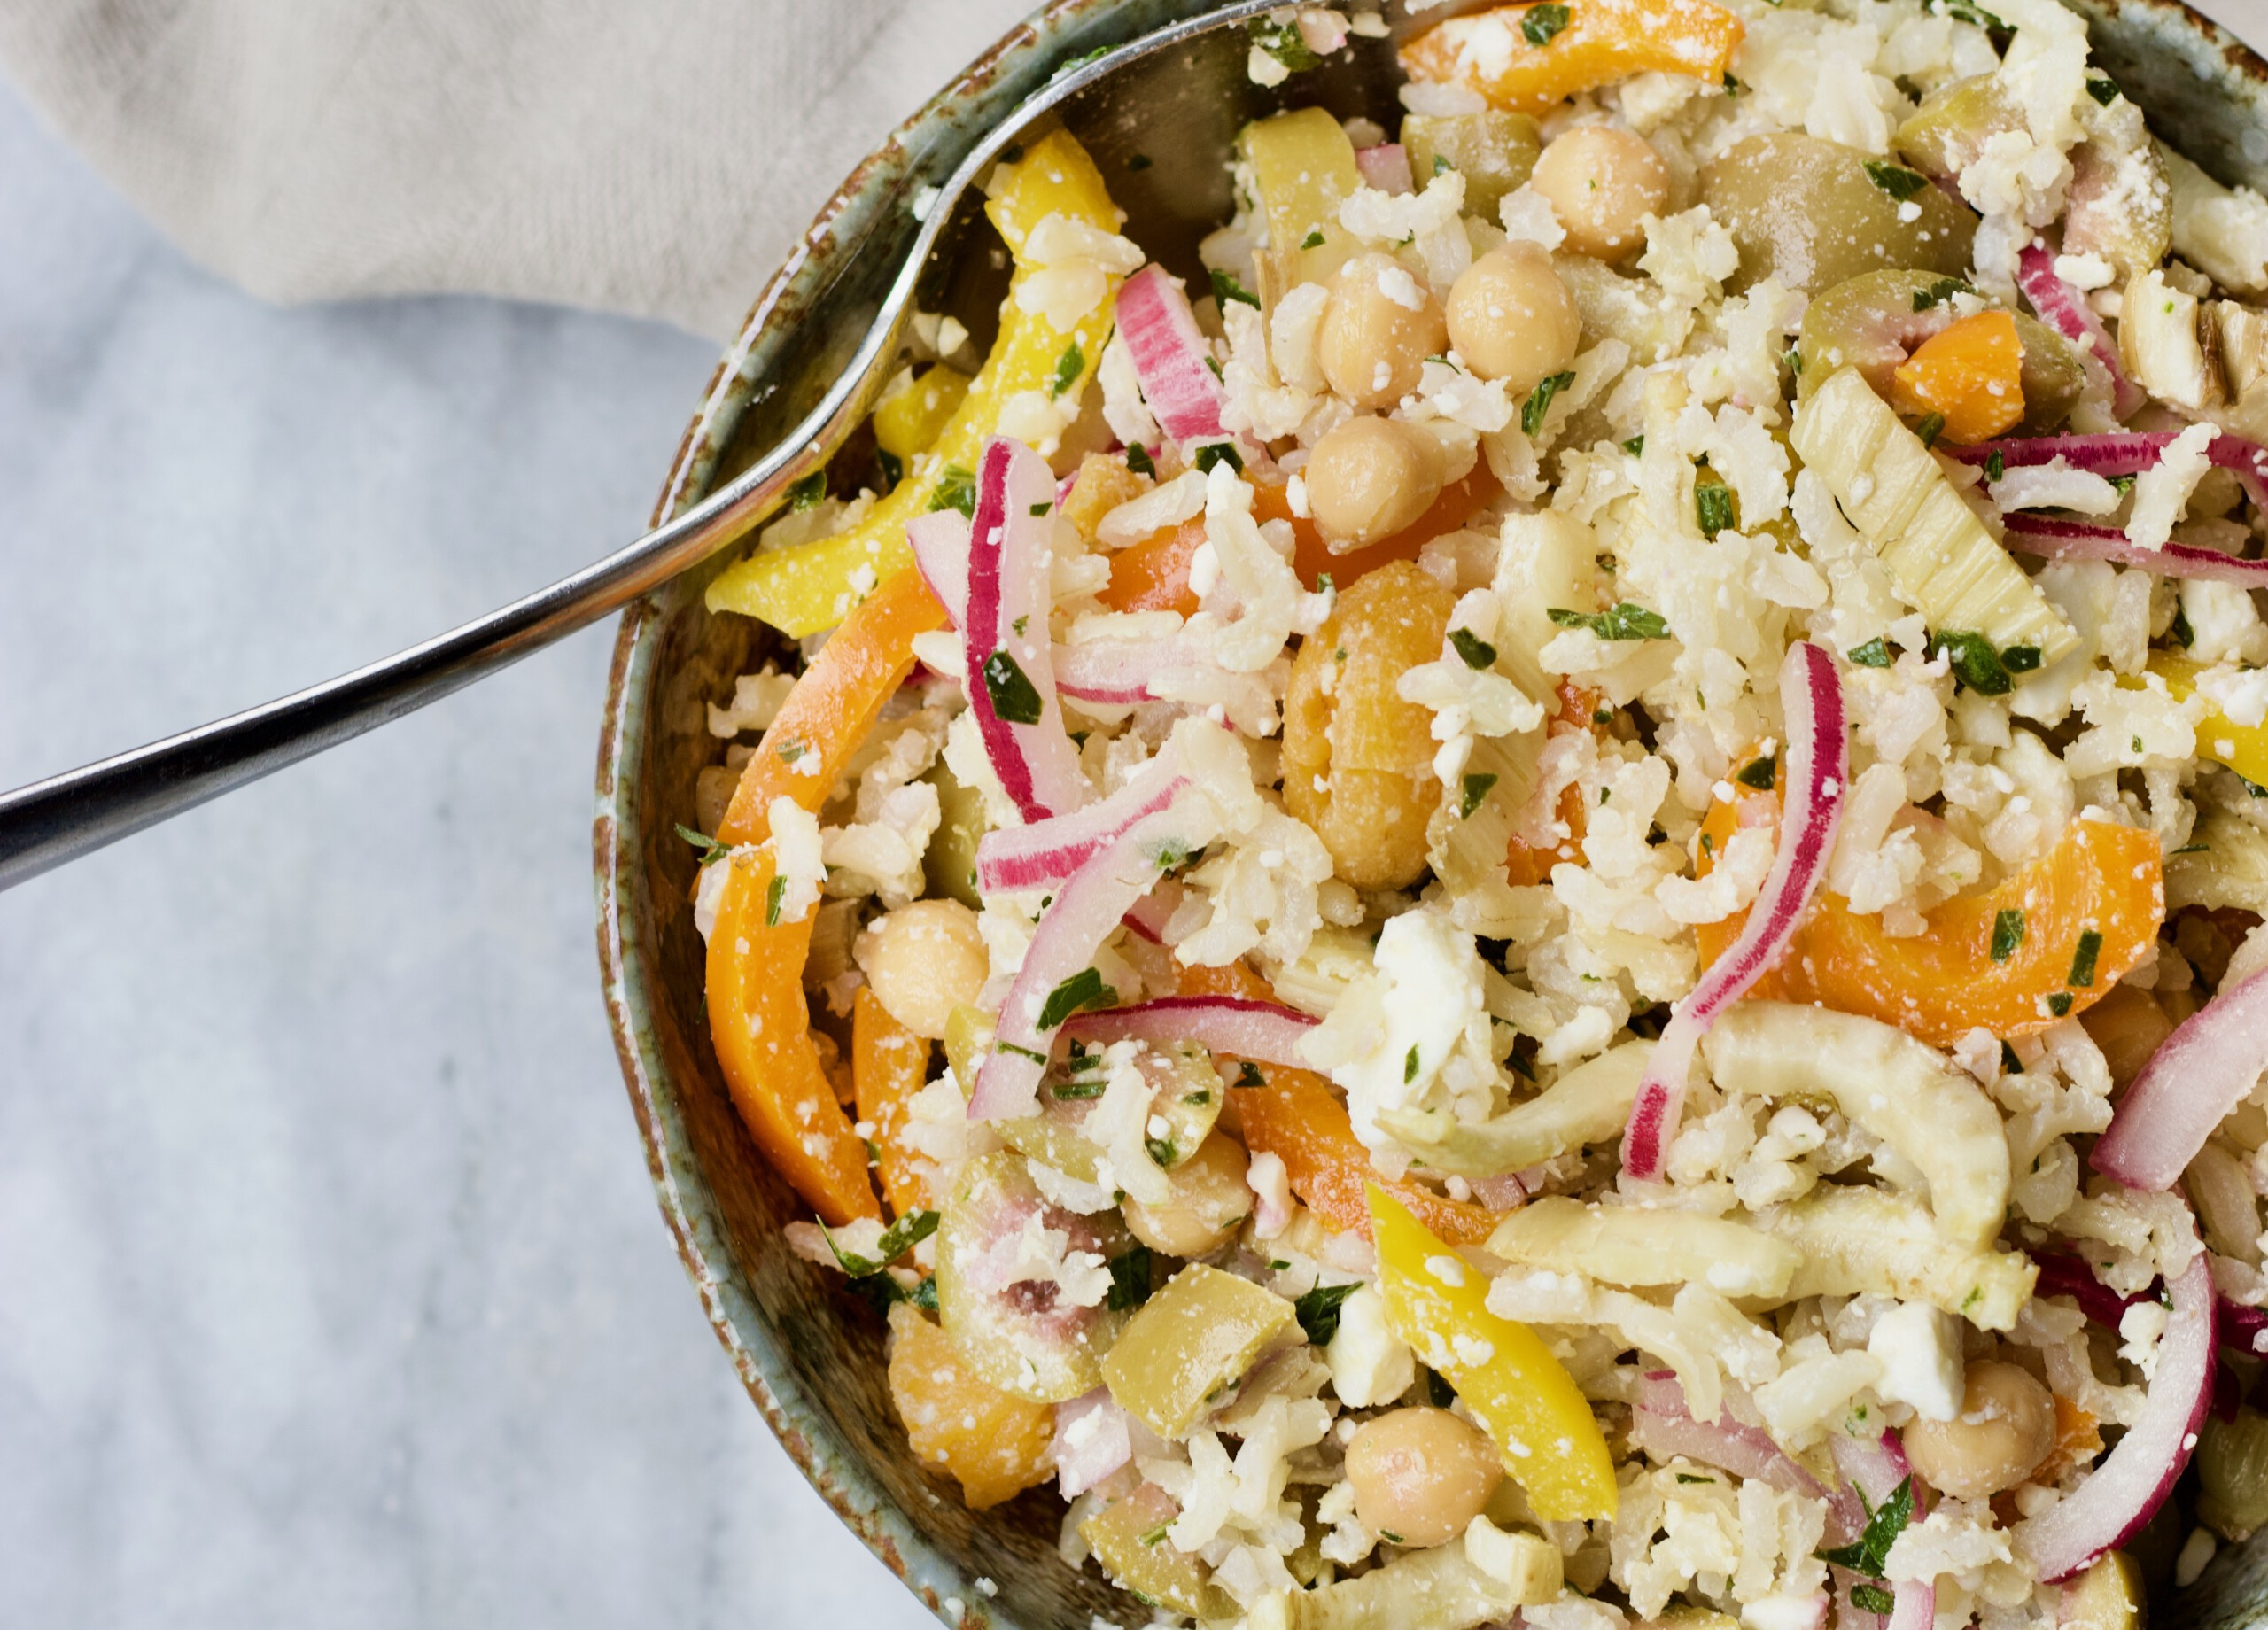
<point>1538,897</point>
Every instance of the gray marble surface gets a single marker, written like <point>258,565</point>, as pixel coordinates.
<point>332,1291</point>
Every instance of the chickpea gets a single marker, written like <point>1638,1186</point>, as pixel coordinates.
<point>924,960</point>
<point>1377,331</point>
<point>2128,1025</point>
<point>1602,183</point>
<point>1209,1200</point>
<point>1371,477</point>
<point>2006,1427</point>
<point>1510,318</point>
<point>1421,1475</point>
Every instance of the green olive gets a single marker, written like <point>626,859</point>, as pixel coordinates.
<point>1869,322</point>
<point>1054,1136</point>
<point>1810,213</point>
<point>2233,1473</point>
<point>1953,124</point>
<point>1495,153</point>
<point>1125,1538</point>
<point>2106,1596</point>
<point>950,865</point>
<point>1192,1342</point>
<point>2119,207</point>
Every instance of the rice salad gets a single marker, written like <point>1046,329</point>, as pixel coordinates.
<point>1542,903</point>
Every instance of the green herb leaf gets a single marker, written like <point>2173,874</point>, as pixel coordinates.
<point>1687,1477</point>
<point>1410,1066</point>
<point>1475,791</point>
<point>806,494</point>
<point>1995,465</point>
<point>1014,696</point>
<point>2019,658</point>
<point>1162,1152</point>
<point>1477,652</point>
<point>1129,1280</point>
<point>1793,357</point>
<point>1079,1087</point>
<point>901,1237</point>
<point>924,1295</point>
<point>1156,1534</point>
<point>1226,288</point>
<point>1715,508</point>
<point>1313,240</point>
<point>1039,509</point>
<point>2083,960</point>
<point>1286,43</point>
<point>2007,934</point>
<point>711,851</point>
<point>1084,990</point>
<point>1873,654</point>
<point>893,467</point>
<point>1761,773</point>
<point>1319,1311</point>
<point>956,489</point>
<point>1219,453</point>
<point>1624,622</point>
<point>775,893</point>
<point>2102,88</point>
<point>1248,1075</point>
<point>1868,1554</point>
<point>1871,1599</point>
<point>1441,165</point>
<point>1900,182</point>
<point>2181,634</point>
<point>1543,23</point>
<point>1931,426</point>
<point>1938,293</point>
<point>1975,663</point>
<point>1976,16</point>
<point>1636,446</point>
<point>1138,461</point>
<point>1068,367</point>
<point>1539,401</point>
<point>2059,1003</point>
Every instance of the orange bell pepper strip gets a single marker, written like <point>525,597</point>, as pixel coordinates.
<point>1298,1117</point>
<point>2080,918</point>
<point>1528,58</point>
<point>758,1020</point>
<point>1154,574</point>
<point>888,1065</point>
<point>1970,376</point>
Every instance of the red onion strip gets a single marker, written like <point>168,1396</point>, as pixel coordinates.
<point>1663,1426</point>
<point>2057,538</point>
<point>1093,1440</point>
<point>940,543</point>
<point>1047,853</point>
<point>2125,1491</point>
<point>1387,167</point>
<point>2247,1327</point>
<point>1261,1031</point>
<point>1816,775</point>
<point>2199,1074</point>
<point>1086,909</point>
<point>1875,1470</point>
<point>1118,671</point>
<point>2061,1275</point>
<point>1005,634</point>
<point>2065,309</point>
<point>1169,353</point>
<point>2120,452</point>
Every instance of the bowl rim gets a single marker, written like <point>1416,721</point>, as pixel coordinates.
<point>802,1431</point>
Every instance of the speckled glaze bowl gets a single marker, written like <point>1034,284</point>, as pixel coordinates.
<point>811,1353</point>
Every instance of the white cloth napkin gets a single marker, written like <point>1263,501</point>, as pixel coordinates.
<point>653,157</point>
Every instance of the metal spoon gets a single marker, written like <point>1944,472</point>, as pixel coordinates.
<point>51,822</point>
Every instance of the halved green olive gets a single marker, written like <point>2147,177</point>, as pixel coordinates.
<point>1188,1099</point>
<point>1950,128</point>
<point>1812,212</point>
<point>1052,1136</point>
<point>1125,1538</point>
<point>1023,1335</point>
<point>949,864</point>
<point>1189,1344</point>
<point>1873,323</point>
<point>1494,151</point>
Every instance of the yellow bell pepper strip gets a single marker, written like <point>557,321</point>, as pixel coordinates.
<point>1528,58</point>
<point>757,1017</point>
<point>2242,747</point>
<point>888,1065</point>
<point>1524,1397</point>
<point>909,419</point>
<point>805,587</point>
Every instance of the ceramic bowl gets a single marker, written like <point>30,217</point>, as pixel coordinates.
<point>810,1353</point>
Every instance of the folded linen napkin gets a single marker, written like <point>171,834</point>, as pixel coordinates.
<point>653,157</point>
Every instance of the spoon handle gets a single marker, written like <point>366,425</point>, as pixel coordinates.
<point>54,821</point>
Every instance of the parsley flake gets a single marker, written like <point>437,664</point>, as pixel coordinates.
<point>1474,792</point>
<point>1410,1066</point>
<point>1068,367</point>
<point>2007,934</point>
<point>1542,24</point>
<point>806,494</point>
<point>711,851</point>
<point>1477,652</point>
<point>1313,240</point>
<point>775,893</point>
<point>956,489</point>
<point>1938,293</point>
<point>1761,773</point>
<point>1012,694</point>
<point>1319,1311</point>
<point>1539,401</point>
<point>1084,990</point>
<point>1873,654</point>
<point>1895,179</point>
<point>1625,621</point>
<point>1138,461</point>
<point>1226,288</point>
<point>2083,960</point>
<point>1870,1553</point>
<point>1219,453</point>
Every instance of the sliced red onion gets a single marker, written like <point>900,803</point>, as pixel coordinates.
<point>1387,167</point>
<point>1505,1191</point>
<point>2063,1275</point>
<point>2125,1491</point>
<point>2120,452</point>
<point>1092,1441</point>
<point>2245,1329</point>
<point>2199,1074</point>
<point>1817,775</point>
<point>1149,915</point>
<point>1090,904</point>
<point>1663,1426</point>
<point>1261,1031</point>
<point>1005,634</point>
<point>940,543</point>
<point>1046,854</point>
<point>2065,309</point>
<point>2055,538</point>
<point>1169,353</point>
<point>1118,671</point>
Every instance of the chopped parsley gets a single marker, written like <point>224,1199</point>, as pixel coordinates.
<point>1219,453</point>
<point>2102,88</point>
<point>1441,165</point>
<point>2019,658</point>
<point>1761,773</point>
<point>1539,401</point>
<point>901,1237</point>
<point>2059,1003</point>
<point>1084,990</point>
<point>1995,465</point>
<point>1976,664</point>
<point>1793,357</point>
<point>1156,1534</point>
<point>1623,622</point>
<point>1871,1599</point>
<point>711,851</point>
<point>1079,1087</point>
<point>1870,1553</point>
<point>1129,1280</point>
<point>1068,367</point>
<point>1636,446</point>
<point>1477,652</point>
<point>1939,292</point>
<point>1543,23</point>
<point>2181,634</point>
<point>1714,507</point>
<point>2083,960</point>
<point>1313,240</point>
<point>1014,696</point>
<point>1318,1310</point>
<point>775,893</point>
<point>1248,1075</point>
<point>1475,791</point>
<point>2007,934</point>
<point>1931,428</point>
<point>956,489</point>
<point>1687,1477</point>
<point>1873,654</point>
<point>806,494</point>
<point>1138,461</point>
<point>1226,288</point>
<point>1286,43</point>
<point>1162,1152</point>
<point>1410,1066</point>
<point>1040,508</point>
<point>1895,179</point>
